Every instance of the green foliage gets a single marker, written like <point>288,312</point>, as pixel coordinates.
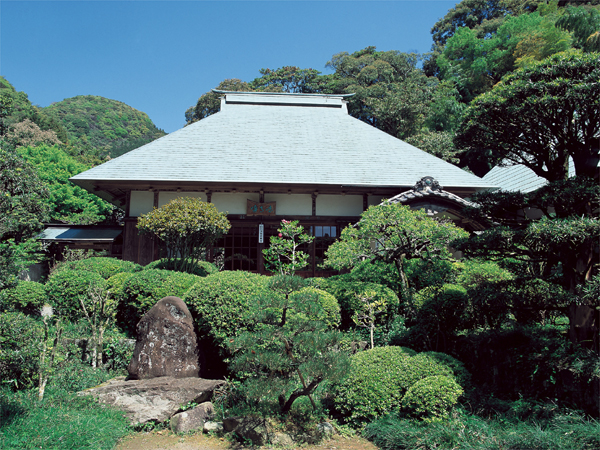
<point>440,312</point>
<point>102,127</point>
<point>287,351</point>
<point>473,273</point>
<point>219,301</point>
<point>142,290</point>
<point>437,143</point>
<point>566,430</point>
<point>20,340</point>
<point>392,233</point>
<point>461,374</point>
<point>23,210</point>
<point>116,285</point>
<point>285,79</point>
<point>346,292</point>
<point>483,16</point>
<point>376,272</point>
<point>539,116</point>
<point>187,226</point>
<point>283,254</point>
<point>68,203</point>
<point>200,268</point>
<point>63,420</point>
<point>475,63</point>
<point>103,266</point>
<point>583,22</point>
<point>377,381</point>
<point>422,273</point>
<point>27,297</point>
<point>67,288</point>
<point>330,312</point>
<point>390,92</point>
<point>210,102</point>
<point>431,398</point>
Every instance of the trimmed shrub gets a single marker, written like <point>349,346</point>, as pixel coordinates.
<point>27,297</point>
<point>431,398</point>
<point>347,292</point>
<point>116,285</point>
<point>21,337</point>
<point>444,308</point>
<point>200,268</point>
<point>378,380</point>
<point>219,304</point>
<point>103,266</point>
<point>423,273</point>
<point>143,289</point>
<point>473,273</point>
<point>461,374</point>
<point>67,287</point>
<point>331,308</point>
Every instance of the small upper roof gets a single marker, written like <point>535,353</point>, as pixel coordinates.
<point>280,138</point>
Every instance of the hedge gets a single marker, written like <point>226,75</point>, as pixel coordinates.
<point>66,288</point>
<point>27,297</point>
<point>103,266</point>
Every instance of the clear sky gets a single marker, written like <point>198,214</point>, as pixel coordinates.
<point>160,56</point>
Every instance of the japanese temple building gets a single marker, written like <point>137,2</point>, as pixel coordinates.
<point>271,156</point>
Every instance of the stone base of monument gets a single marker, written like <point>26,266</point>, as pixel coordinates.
<point>154,399</point>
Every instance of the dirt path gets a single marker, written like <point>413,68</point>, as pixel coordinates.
<point>165,440</point>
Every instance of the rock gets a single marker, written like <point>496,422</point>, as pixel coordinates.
<point>166,344</point>
<point>213,427</point>
<point>282,440</point>
<point>325,430</point>
<point>192,419</point>
<point>248,428</point>
<point>156,399</point>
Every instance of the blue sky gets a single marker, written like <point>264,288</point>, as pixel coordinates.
<point>160,56</point>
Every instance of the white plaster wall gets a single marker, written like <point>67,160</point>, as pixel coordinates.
<point>141,202</point>
<point>291,204</point>
<point>232,203</point>
<point>167,196</point>
<point>339,205</point>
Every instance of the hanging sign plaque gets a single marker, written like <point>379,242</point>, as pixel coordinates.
<point>260,209</point>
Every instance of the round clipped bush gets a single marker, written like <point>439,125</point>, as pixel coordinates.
<point>378,380</point>
<point>142,290</point>
<point>347,294</point>
<point>27,297</point>
<point>103,266</point>
<point>331,308</point>
<point>20,336</point>
<point>200,268</point>
<point>431,398</point>
<point>461,374</point>
<point>116,285</point>
<point>66,289</point>
<point>219,302</point>
<point>444,308</point>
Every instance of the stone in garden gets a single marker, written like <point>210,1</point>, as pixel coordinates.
<point>156,399</point>
<point>192,419</point>
<point>213,427</point>
<point>254,429</point>
<point>166,344</point>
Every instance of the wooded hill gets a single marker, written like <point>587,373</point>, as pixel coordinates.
<point>107,127</point>
<point>91,128</point>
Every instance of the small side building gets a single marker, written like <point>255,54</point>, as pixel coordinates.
<point>271,156</point>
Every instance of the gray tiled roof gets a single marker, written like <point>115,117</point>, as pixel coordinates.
<point>518,177</point>
<point>282,138</point>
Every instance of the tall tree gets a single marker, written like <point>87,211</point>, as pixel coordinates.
<point>539,117</point>
<point>210,103</point>
<point>23,210</point>
<point>483,16</point>
<point>391,93</point>
<point>289,79</point>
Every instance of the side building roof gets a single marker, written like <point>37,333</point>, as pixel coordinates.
<point>271,138</point>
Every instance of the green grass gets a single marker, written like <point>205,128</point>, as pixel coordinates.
<point>62,420</point>
<point>470,432</point>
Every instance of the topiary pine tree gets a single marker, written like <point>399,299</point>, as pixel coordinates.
<point>283,254</point>
<point>288,351</point>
